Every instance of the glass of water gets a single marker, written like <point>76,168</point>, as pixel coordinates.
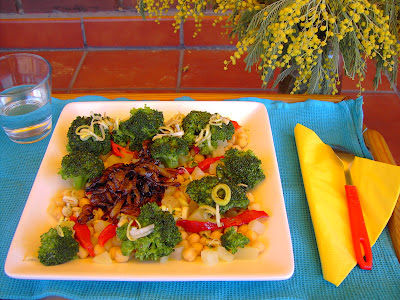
<point>25,97</point>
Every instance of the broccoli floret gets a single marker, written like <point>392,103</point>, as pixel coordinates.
<point>81,167</point>
<point>55,250</point>
<point>160,242</point>
<point>200,192</point>
<point>218,133</point>
<point>231,240</point>
<point>168,149</point>
<point>142,125</point>
<point>241,167</point>
<point>193,123</point>
<point>90,145</point>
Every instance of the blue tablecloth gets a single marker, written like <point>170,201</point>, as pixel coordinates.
<point>339,123</point>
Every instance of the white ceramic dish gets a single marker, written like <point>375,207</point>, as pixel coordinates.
<point>275,263</point>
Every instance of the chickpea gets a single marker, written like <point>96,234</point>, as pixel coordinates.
<point>83,201</point>
<point>242,142</point>
<point>116,242</point>
<point>119,257</point>
<point>189,254</point>
<point>257,244</point>
<point>112,252</point>
<point>198,247</point>
<point>250,196</point>
<point>213,243</point>
<point>203,240</point>
<point>184,234</point>
<point>251,235</point>
<point>193,238</point>
<point>198,158</point>
<point>58,201</point>
<point>82,253</point>
<point>57,212</point>
<point>177,194</point>
<point>91,230</point>
<point>94,240</point>
<point>108,245</point>
<point>79,193</point>
<point>184,243</point>
<point>216,235</point>
<point>98,249</point>
<point>180,178</point>
<point>243,228</point>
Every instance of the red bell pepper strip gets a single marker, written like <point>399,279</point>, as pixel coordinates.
<point>107,233</point>
<point>243,218</point>
<point>236,125</point>
<point>196,149</point>
<point>82,233</point>
<point>118,149</point>
<point>205,164</point>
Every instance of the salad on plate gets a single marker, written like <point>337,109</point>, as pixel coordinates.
<point>149,189</point>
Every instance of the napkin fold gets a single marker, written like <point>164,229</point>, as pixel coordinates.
<point>378,186</point>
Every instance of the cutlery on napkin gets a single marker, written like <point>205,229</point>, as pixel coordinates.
<point>378,187</point>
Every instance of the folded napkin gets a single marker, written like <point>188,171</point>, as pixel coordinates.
<point>378,186</point>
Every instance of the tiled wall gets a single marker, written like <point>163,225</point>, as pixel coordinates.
<point>127,53</point>
<point>124,53</point>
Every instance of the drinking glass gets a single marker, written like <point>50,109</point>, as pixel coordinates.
<point>25,97</point>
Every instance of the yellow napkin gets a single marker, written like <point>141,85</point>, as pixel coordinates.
<point>378,186</point>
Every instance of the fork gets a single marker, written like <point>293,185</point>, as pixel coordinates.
<point>357,225</point>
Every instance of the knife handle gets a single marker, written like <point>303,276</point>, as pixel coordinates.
<point>358,230</point>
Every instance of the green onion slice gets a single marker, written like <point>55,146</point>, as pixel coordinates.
<point>227,194</point>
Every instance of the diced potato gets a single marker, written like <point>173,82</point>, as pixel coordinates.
<point>247,253</point>
<point>104,258</point>
<point>209,257</point>
<point>224,254</point>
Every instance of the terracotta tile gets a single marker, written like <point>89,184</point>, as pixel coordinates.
<point>381,113</point>
<point>117,70</point>
<point>8,6</point>
<point>45,6</point>
<point>205,69</point>
<point>209,34</point>
<point>41,33</point>
<point>130,32</point>
<point>349,84</point>
<point>63,64</point>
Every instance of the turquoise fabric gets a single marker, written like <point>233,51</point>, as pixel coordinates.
<point>335,123</point>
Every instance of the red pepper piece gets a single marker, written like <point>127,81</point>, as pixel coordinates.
<point>236,125</point>
<point>196,149</point>
<point>118,149</point>
<point>107,233</point>
<point>205,164</point>
<point>82,233</point>
<point>244,218</point>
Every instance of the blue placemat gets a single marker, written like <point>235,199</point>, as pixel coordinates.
<point>339,123</point>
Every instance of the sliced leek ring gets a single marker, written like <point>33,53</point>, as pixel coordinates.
<point>216,197</point>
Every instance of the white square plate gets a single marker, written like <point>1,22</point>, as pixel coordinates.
<point>275,263</point>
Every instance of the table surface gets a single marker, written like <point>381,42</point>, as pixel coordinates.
<point>307,280</point>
